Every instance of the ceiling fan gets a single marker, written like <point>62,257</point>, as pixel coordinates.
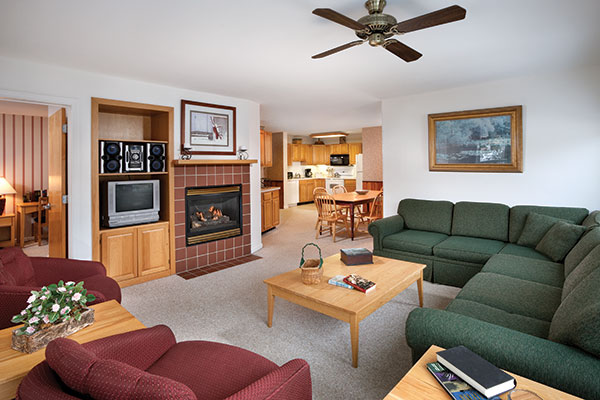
<point>377,28</point>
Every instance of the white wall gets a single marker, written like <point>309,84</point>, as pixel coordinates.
<point>561,134</point>
<point>32,81</point>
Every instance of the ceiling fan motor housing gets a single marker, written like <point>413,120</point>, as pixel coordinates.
<point>375,6</point>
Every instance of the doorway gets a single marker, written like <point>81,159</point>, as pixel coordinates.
<point>33,163</point>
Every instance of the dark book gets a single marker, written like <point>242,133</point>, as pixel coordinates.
<point>359,283</point>
<point>477,372</point>
<point>356,256</point>
<point>456,387</point>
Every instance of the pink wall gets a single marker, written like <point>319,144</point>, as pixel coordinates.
<point>23,154</point>
<point>372,154</point>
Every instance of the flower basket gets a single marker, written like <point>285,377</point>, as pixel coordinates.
<point>41,338</point>
<point>311,268</point>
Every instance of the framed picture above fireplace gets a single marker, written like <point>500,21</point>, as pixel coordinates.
<point>208,128</point>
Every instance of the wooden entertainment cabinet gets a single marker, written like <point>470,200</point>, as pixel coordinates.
<point>138,253</point>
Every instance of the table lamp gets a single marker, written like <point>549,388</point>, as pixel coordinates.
<point>5,188</point>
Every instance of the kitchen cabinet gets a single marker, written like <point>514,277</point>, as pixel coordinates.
<point>306,190</point>
<point>319,183</point>
<point>307,154</point>
<point>350,185</point>
<point>296,152</point>
<point>133,254</point>
<point>266,149</point>
<point>353,150</point>
<point>341,148</point>
<point>289,154</point>
<point>320,154</point>
<point>270,210</point>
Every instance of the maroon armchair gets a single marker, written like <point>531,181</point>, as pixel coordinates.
<point>20,274</point>
<point>150,364</point>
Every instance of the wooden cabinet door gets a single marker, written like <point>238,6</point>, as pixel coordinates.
<point>267,211</point>
<point>320,154</point>
<point>350,184</point>
<point>275,208</point>
<point>119,253</point>
<point>310,189</point>
<point>153,249</point>
<point>355,148</point>
<point>289,154</point>
<point>268,149</point>
<point>296,152</point>
<point>319,183</point>
<point>307,154</point>
<point>303,184</point>
<point>262,148</point>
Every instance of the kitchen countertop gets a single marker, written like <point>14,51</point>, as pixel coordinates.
<point>304,179</point>
<point>268,189</point>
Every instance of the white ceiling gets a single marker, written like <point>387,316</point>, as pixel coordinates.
<point>260,49</point>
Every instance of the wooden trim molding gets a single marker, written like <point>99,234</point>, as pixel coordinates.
<point>181,163</point>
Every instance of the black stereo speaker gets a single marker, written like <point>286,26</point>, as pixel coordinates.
<point>155,157</point>
<point>111,157</point>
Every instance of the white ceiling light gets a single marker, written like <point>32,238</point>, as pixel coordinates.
<point>325,135</point>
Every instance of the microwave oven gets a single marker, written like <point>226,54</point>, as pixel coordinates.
<point>339,159</point>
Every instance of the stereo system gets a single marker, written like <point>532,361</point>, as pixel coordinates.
<point>118,157</point>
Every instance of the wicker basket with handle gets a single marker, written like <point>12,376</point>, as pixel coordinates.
<point>312,268</point>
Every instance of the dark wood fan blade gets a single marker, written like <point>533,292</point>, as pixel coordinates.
<point>336,17</point>
<point>406,53</point>
<point>439,17</point>
<point>339,48</point>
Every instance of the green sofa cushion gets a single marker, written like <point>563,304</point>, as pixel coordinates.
<point>482,220</point>
<point>496,316</point>
<point>414,241</point>
<point>577,320</point>
<point>454,273</point>
<point>523,251</point>
<point>581,250</point>
<point>536,226</point>
<point>469,249</point>
<point>559,240</point>
<point>513,295</point>
<point>529,269</point>
<point>427,215</point>
<point>589,264</point>
<point>518,215</point>
<point>592,220</point>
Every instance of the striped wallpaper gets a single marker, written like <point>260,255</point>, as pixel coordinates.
<point>23,154</point>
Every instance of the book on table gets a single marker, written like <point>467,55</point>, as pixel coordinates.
<point>338,280</point>
<point>477,372</point>
<point>456,387</point>
<point>359,283</point>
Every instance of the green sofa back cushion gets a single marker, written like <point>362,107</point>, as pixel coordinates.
<point>536,226</point>
<point>518,215</point>
<point>559,240</point>
<point>590,263</point>
<point>427,215</point>
<point>592,220</point>
<point>587,243</point>
<point>482,220</point>
<point>577,319</point>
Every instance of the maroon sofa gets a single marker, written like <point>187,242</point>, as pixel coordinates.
<point>20,274</point>
<point>150,364</point>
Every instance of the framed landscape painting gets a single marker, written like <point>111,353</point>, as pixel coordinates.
<point>488,140</point>
<point>207,128</point>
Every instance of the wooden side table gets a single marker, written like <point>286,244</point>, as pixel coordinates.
<point>419,384</point>
<point>110,319</point>
<point>22,210</point>
<point>7,221</point>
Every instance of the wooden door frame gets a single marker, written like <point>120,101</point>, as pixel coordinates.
<point>71,106</point>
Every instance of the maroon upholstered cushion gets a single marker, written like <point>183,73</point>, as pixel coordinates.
<point>71,361</point>
<point>212,370</point>
<point>5,277</point>
<point>17,264</point>
<point>103,287</point>
<point>114,380</point>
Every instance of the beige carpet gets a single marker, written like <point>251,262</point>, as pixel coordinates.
<point>230,306</point>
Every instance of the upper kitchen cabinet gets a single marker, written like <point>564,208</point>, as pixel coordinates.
<point>341,148</point>
<point>320,154</point>
<point>353,150</point>
<point>307,154</point>
<point>266,148</point>
<point>296,152</point>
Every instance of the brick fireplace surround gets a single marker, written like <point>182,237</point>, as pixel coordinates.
<point>221,253</point>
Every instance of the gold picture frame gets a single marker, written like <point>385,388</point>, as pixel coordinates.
<point>486,140</point>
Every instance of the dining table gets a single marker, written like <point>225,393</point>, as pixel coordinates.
<point>353,199</point>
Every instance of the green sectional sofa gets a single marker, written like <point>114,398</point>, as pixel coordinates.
<point>518,308</point>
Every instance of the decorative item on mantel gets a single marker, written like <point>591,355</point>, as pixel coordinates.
<point>311,268</point>
<point>56,310</point>
<point>243,153</point>
<point>186,153</point>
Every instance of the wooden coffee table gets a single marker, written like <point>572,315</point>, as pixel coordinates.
<point>391,276</point>
<point>110,318</point>
<point>419,384</point>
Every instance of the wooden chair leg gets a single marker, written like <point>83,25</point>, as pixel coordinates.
<point>318,228</point>
<point>334,228</point>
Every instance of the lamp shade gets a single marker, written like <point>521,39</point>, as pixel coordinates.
<point>5,187</point>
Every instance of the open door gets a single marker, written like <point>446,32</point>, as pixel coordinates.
<point>57,185</point>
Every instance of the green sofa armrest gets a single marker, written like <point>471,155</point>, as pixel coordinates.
<point>384,227</point>
<point>563,367</point>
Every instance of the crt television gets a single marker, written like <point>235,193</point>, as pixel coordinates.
<point>130,202</point>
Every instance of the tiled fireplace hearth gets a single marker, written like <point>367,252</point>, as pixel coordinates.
<point>210,179</point>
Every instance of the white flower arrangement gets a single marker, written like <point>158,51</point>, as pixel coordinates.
<point>52,304</point>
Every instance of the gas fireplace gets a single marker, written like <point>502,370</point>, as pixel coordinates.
<point>212,213</point>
